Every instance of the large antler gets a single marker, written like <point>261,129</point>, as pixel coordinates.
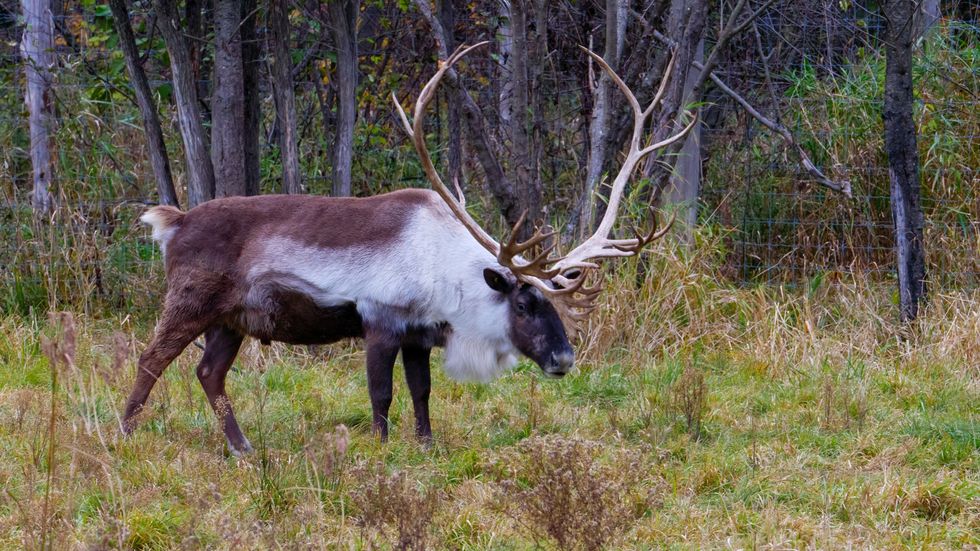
<point>599,245</point>
<point>416,131</point>
<point>508,254</point>
<point>567,291</point>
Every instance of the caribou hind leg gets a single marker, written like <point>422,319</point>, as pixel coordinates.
<point>172,336</point>
<point>418,377</point>
<point>220,350</point>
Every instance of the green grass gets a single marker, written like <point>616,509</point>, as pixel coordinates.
<point>823,441</point>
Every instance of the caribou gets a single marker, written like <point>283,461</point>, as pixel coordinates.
<point>405,271</point>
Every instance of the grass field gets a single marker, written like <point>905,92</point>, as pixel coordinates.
<point>702,416</point>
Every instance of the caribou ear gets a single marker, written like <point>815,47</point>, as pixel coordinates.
<point>497,281</point>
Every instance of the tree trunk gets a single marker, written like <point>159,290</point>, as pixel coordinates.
<point>344,16</point>
<point>926,17</point>
<point>521,162</point>
<point>685,181</point>
<point>251,51</point>
<point>148,110</point>
<point>600,118</point>
<point>282,85</point>
<point>194,24</point>
<point>505,48</point>
<point>538,46</point>
<point>447,15</point>
<point>903,156</point>
<point>683,87</point>
<point>228,101</point>
<point>37,48</point>
<point>200,172</point>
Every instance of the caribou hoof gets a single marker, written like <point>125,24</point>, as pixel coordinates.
<point>242,449</point>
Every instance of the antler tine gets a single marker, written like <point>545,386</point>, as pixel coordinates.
<point>428,91</point>
<point>459,192</point>
<point>665,142</point>
<point>642,240</point>
<point>573,300</point>
<point>536,266</point>
<point>577,286</point>
<point>407,126</point>
<point>663,85</point>
<point>615,77</point>
<point>542,233</point>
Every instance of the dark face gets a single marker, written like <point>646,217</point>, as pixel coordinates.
<point>535,327</point>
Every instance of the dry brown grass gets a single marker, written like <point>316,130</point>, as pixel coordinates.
<point>820,427</point>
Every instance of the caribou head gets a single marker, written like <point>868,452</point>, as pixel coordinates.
<point>550,295</point>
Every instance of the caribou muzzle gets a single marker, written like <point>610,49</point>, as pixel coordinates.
<point>559,364</point>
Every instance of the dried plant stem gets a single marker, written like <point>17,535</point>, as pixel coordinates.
<point>46,542</point>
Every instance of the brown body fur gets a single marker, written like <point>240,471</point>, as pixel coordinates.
<point>205,294</point>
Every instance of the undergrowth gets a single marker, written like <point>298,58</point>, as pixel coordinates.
<point>789,226</point>
<point>702,414</point>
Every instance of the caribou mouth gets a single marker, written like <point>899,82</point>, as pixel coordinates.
<point>554,373</point>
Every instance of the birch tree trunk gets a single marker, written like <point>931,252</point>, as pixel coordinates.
<point>282,85</point>
<point>505,46</point>
<point>200,172</point>
<point>344,17</point>
<point>37,47</point>
<point>148,109</point>
<point>228,101</point>
<point>689,17</point>
<point>903,155</point>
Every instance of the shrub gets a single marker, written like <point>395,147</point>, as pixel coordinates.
<point>393,506</point>
<point>559,488</point>
<point>690,393</point>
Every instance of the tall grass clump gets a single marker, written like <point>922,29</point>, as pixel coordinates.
<point>93,260</point>
<point>682,302</point>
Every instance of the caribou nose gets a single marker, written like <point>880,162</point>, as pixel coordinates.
<point>563,361</point>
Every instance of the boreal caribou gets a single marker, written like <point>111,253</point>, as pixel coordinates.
<point>406,271</point>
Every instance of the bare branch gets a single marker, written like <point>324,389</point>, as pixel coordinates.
<point>843,186</point>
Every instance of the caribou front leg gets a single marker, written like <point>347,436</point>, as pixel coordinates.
<point>416,360</point>
<point>381,353</point>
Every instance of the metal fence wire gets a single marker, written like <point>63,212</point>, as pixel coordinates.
<point>817,67</point>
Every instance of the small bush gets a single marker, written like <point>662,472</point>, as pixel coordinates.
<point>558,488</point>
<point>690,393</point>
<point>393,506</point>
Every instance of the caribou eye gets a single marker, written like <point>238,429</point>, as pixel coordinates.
<point>522,308</point>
